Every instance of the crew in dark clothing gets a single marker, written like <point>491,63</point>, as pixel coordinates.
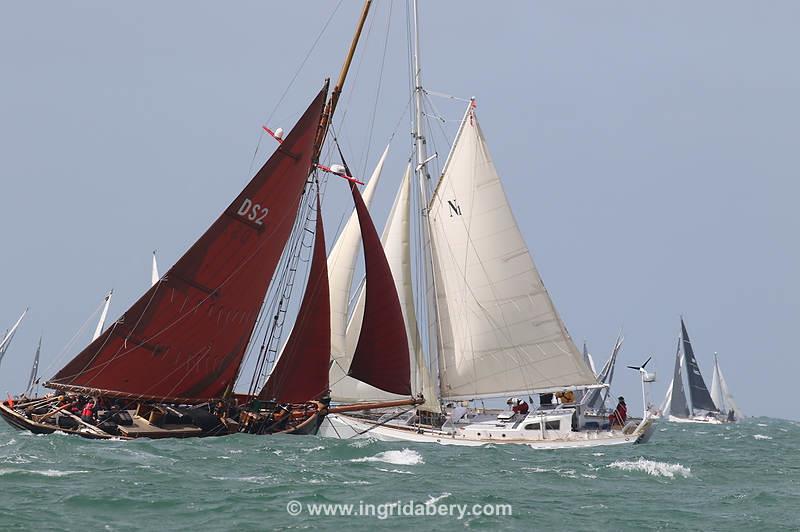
<point>521,407</point>
<point>545,400</point>
<point>620,414</point>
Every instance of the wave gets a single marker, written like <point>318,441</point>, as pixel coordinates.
<point>762,437</point>
<point>656,469</point>
<point>404,457</point>
<point>43,472</point>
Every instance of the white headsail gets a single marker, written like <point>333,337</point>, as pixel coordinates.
<point>499,331</point>
<point>396,244</point>
<point>6,341</point>
<point>721,394</point>
<point>341,267</point>
<point>99,329</point>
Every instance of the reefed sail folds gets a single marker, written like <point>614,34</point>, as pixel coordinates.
<point>184,339</point>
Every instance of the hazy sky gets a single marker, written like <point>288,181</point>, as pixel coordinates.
<point>649,150</point>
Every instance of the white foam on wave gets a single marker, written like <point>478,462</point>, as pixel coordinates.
<point>656,469</point>
<point>762,437</point>
<point>762,424</point>
<point>43,472</point>
<point>404,457</point>
<point>314,449</point>
<point>394,471</point>
<point>434,500</point>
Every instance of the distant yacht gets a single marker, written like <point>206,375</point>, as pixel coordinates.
<point>697,406</point>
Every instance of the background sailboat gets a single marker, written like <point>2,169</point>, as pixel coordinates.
<point>697,406</point>
<point>722,396</point>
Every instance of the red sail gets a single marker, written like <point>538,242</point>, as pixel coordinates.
<point>381,356</point>
<point>184,339</point>
<point>301,373</point>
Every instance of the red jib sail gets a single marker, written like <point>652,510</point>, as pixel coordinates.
<point>301,373</point>
<point>381,356</point>
<point>184,339</point>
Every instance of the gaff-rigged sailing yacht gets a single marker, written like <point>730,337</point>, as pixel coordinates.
<point>700,407</point>
<point>178,348</point>
<point>492,328</point>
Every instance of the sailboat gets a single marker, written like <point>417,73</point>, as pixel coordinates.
<point>156,368</point>
<point>722,396</point>
<point>168,366</point>
<point>698,406</point>
<point>492,328</point>
<point>9,335</point>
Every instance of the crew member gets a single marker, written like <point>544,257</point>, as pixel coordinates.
<point>620,414</point>
<point>521,407</point>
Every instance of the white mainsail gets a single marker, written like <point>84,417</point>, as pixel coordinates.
<point>341,267</point>
<point>720,392</point>
<point>396,244</point>
<point>102,321</point>
<point>6,341</point>
<point>499,331</point>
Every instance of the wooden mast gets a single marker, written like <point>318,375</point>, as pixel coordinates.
<point>330,108</point>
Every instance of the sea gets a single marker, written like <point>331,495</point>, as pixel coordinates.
<point>744,476</point>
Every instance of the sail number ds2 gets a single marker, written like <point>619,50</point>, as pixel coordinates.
<point>253,212</point>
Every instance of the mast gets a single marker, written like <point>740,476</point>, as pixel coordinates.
<point>421,149</point>
<point>330,108</point>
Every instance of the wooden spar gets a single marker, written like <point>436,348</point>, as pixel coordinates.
<point>330,108</point>
<point>57,410</point>
<point>355,407</point>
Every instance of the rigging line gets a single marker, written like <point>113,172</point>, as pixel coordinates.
<point>294,78</point>
<point>378,90</point>
<point>200,302</point>
<point>354,83</point>
<point>286,288</point>
<point>281,299</point>
<point>72,340</point>
<point>384,422</point>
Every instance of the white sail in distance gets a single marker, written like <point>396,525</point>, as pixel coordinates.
<point>499,330</point>
<point>154,277</point>
<point>341,267</point>
<point>102,321</point>
<point>6,341</point>
<point>34,369</point>
<point>720,392</point>
<point>396,239</point>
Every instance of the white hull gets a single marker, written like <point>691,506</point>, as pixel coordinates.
<point>702,420</point>
<point>348,427</point>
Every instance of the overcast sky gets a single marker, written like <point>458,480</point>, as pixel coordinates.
<point>650,153</point>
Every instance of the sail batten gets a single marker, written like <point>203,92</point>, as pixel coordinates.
<point>499,330</point>
<point>185,338</point>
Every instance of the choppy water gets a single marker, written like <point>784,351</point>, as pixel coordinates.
<point>736,477</point>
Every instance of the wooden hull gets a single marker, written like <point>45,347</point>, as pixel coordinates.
<point>143,429</point>
<point>18,421</point>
